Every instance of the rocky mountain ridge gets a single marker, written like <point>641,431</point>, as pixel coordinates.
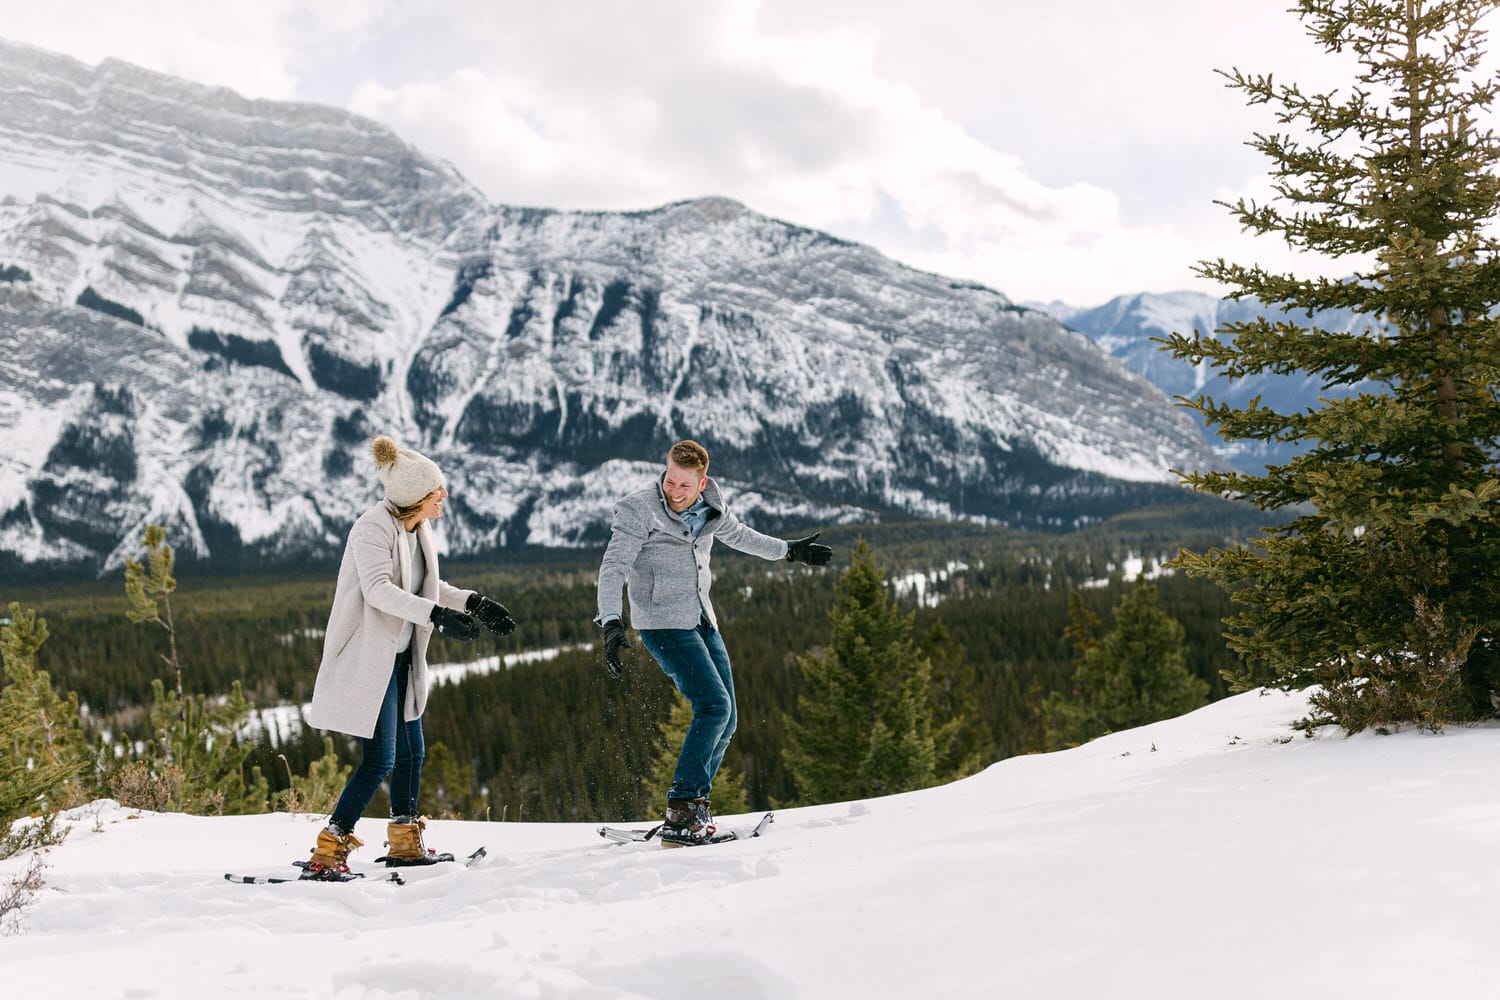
<point>208,305</point>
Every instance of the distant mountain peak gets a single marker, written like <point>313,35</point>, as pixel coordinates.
<point>713,208</point>
<point>1128,325</point>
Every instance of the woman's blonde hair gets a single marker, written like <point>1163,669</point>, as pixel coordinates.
<point>410,510</point>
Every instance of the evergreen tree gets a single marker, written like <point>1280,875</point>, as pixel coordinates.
<point>318,791</point>
<point>958,739</point>
<point>449,789</point>
<point>728,796</point>
<point>325,781</point>
<point>197,760</point>
<point>149,587</point>
<point>198,740</point>
<point>864,724</point>
<point>43,752</point>
<point>1134,675</point>
<point>1384,589</point>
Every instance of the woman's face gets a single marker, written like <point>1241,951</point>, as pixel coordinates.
<point>432,505</point>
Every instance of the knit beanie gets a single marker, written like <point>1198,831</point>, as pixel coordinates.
<point>408,475</point>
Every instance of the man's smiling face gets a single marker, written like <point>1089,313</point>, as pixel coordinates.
<point>682,487</point>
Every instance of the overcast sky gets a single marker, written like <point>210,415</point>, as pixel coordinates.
<point>1067,149</point>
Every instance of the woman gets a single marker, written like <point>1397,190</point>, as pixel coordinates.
<point>372,681</point>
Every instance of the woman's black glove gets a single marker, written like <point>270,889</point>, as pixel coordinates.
<point>491,614</point>
<point>804,550</point>
<point>454,624</point>
<point>614,641</point>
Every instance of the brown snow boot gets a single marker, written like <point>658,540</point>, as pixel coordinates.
<point>332,852</point>
<point>403,838</point>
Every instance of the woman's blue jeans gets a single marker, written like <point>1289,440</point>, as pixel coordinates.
<point>395,749</point>
<point>696,661</point>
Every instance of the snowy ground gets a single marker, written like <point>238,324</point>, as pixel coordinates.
<point>1215,855</point>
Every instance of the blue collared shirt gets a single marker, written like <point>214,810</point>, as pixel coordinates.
<point>696,516</point>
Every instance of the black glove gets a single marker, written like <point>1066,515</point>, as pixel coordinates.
<point>454,624</point>
<point>614,641</point>
<point>491,614</point>
<point>804,550</point>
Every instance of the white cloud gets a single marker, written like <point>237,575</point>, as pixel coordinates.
<point>1069,149</point>
<point>800,125</point>
<point>256,49</point>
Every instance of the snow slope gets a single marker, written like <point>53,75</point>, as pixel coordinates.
<point>1214,855</point>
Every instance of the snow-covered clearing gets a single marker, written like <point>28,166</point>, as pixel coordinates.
<point>1214,855</point>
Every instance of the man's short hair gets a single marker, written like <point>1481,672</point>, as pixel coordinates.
<point>689,455</point>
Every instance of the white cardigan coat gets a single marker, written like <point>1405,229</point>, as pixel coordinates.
<point>371,603</point>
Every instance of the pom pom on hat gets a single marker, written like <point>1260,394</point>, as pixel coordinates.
<point>408,475</point>
<point>385,450</point>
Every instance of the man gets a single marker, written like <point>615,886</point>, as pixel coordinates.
<point>660,544</point>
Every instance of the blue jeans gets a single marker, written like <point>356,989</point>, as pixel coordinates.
<point>696,661</point>
<point>395,749</point>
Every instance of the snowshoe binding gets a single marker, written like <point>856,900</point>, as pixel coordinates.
<point>330,858</point>
<point>688,822</point>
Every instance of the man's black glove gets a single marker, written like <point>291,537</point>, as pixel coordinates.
<point>491,614</point>
<point>614,641</point>
<point>454,624</point>
<point>805,550</point>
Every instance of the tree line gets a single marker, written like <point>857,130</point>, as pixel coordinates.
<point>557,739</point>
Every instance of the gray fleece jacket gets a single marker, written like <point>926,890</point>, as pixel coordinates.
<point>651,549</point>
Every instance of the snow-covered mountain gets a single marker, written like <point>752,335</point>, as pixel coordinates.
<point>1124,326</point>
<point>209,304</point>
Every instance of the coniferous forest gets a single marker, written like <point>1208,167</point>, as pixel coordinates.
<point>557,739</point>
